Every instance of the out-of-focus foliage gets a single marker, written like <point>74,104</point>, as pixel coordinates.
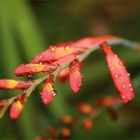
<point>28,27</point>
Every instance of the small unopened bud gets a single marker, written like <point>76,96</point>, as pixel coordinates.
<point>16,110</point>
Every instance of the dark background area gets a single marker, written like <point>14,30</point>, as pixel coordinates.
<point>29,27</point>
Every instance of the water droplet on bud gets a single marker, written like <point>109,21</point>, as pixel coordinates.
<point>40,63</point>
<point>123,85</point>
<point>123,97</point>
<point>24,91</point>
<point>130,85</point>
<point>52,48</point>
<point>116,75</point>
<point>131,89</point>
<point>40,56</point>
<point>29,76</point>
<point>121,62</point>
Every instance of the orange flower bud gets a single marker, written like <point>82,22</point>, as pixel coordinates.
<point>31,69</point>
<point>67,119</point>
<point>65,132</point>
<point>120,76</point>
<point>85,108</point>
<point>48,93</point>
<point>53,53</point>
<point>88,124</point>
<point>16,109</point>
<point>14,84</point>
<point>107,101</point>
<point>75,78</point>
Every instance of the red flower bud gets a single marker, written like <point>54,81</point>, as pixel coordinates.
<point>48,93</point>
<point>53,53</point>
<point>57,51</point>
<point>16,109</point>
<point>107,101</point>
<point>120,76</point>
<point>14,84</point>
<point>67,119</point>
<point>30,69</point>
<point>87,124</point>
<point>75,78</point>
<point>65,132</point>
<point>17,106</point>
<point>85,108</point>
<point>64,74</point>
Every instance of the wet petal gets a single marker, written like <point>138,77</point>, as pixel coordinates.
<point>55,52</point>
<point>75,78</point>
<point>14,84</point>
<point>30,69</point>
<point>48,93</point>
<point>16,109</point>
<point>90,42</point>
<point>120,76</point>
<point>64,74</point>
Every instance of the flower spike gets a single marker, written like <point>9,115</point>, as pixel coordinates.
<point>120,76</point>
<point>75,78</point>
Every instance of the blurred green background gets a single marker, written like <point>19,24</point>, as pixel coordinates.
<point>29,27</point>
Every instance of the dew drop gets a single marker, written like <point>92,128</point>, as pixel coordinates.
<point>29,76</point>
<point>123,85</point>
<point>54,93</point>
<point>121,62</point>
<point>40,63</point>
<point>67,47</point>
<point>131,89</point>
<point>130,85</point>
<point>24,91</point>
<point>52,48</point>
<point>123,97</point>
<point>128,75</point>
<point>40,56</point>
<point>116,75</point>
